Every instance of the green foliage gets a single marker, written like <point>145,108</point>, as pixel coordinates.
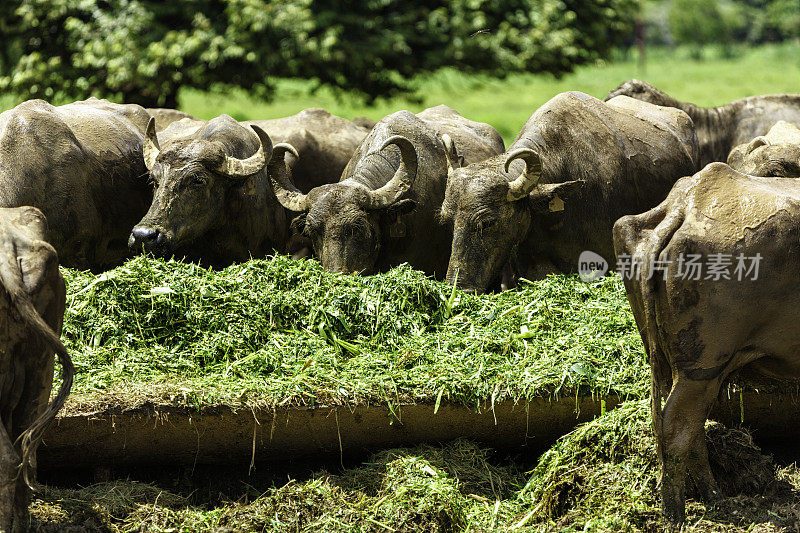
<point>284,332</point>
<point>137,51</point>
<point>699,23</point>
<point>143,50</point>
<point>721,22</point>
<point>782,20</point>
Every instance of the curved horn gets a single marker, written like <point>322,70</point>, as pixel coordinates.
<point>150,148</point>
<point>757,142</point>
<point>402,180</point>
<point>450,152</point>
<point>520,187</point>
<point>241,168</point>
<point>287,194</point>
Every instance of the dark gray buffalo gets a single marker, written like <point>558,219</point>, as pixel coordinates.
<point>724,252</point>
<point>32,298</point>
<point>213,202</point>
<point>164,116</point>
<point>577,166</point>
<point>776,154</point>
<point>721,128</point>
<point>81,164</point>
<point>384,210</point>
<point>324,142</point>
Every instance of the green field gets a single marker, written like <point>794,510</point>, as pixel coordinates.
<point>506,104</point>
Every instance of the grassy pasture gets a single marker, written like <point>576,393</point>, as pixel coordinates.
<point>506,104</point>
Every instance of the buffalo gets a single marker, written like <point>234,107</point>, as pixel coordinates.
<point>384,209</point>
<point>32,298</point>
<point>721,128</point>
<point>577,165</point>
<point>324,142</point>
<point>82,165</point>
<point>712,282</point>
<point>364,122</point>
<point>164,116</point>
<point>776,154</point>
<point>212,202</point>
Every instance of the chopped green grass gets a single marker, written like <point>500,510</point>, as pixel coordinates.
<point>283,332</point>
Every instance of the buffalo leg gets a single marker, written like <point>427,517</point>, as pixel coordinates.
<point>34,399</point>
<point>700,470</point>
<point>681,437</point>
<point>9,461</point>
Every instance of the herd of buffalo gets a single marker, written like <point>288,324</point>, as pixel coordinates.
<point>88,184</point>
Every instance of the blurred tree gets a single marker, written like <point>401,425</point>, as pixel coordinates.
<point>784,17</point>
<point>143,51</point>
<point>699,23</point>
<point>721,21</point>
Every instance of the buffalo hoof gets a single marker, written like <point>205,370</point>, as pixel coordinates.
<point>674,513</point>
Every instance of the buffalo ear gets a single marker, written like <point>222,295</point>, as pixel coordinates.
<point>736,158</point>
<point>550,197</point>
<point>398,209</point>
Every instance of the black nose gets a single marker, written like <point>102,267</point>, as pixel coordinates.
<point>146,237</point>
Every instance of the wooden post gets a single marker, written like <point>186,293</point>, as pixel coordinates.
<point>639,29</point>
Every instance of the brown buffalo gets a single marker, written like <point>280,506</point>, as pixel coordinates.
<point>384,209</point>
<point>164,117</point>
<point>81,164</point>
<point>32,299</point>
<point>699,324</point>
<point>721,128</point>
<point>776,154</point>
<point>324,142</point>
<point>213,202</point>
<point>577,165</point>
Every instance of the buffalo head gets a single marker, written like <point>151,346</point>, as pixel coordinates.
<point>760,157</point>
<point>192,179</point>
<point>491,209</point>
<point>641,90</point>
<point>344,220</point>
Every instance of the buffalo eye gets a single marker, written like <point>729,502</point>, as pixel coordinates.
<point>196,180</point>
<point>485,222</point>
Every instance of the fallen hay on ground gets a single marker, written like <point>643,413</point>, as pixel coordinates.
<point>602,477</point>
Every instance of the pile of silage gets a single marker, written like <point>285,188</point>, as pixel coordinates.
<point>603,476</point>
<point>456,487</point>
<point>282,332</point>
<point>600,478</point>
